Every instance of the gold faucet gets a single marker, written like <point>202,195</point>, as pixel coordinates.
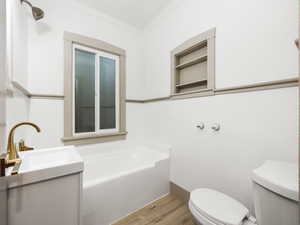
<point>11,158</point>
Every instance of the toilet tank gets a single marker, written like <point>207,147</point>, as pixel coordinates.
<point>275,190</point>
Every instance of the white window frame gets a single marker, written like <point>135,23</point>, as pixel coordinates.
<point>98,54</point>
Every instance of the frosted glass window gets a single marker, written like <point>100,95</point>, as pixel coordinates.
<point>84,91</point>
<point>96,91</point>
<point>107,93</point>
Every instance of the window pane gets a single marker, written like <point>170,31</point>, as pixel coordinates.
<point>107,93</point>
<point>84,91</point>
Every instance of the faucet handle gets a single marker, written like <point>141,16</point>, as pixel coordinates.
<point>23,147</point>
<point>16,167</point>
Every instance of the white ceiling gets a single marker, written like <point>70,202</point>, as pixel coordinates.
<point>134,12</point>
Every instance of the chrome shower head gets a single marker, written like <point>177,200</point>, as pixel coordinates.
<point>36,12</point>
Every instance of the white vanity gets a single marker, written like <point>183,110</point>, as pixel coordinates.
<point>48,188</point>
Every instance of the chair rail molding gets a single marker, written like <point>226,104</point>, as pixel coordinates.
<point>261,86</point>
<point>29,94</point>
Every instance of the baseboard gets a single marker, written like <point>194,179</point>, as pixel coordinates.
<point>179,192</point>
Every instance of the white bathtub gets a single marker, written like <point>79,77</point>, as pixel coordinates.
<point>118,183</point>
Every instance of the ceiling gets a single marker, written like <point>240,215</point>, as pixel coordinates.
<point>134,12</point>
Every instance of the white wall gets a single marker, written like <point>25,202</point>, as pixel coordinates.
<point>3,41</point>
<point>46,44</point>
<point>254,40</point>
<point>17,111</point>
<point>255,127</point>
<point>2,72</point>
<point>45,41</point>
<point>18,45</point>
<point>49,116</point>
<point>44,63</point>
<point>254,43</point>
<point>14,106</point>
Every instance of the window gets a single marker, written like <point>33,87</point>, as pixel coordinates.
<point>193,67</point>
<point>94,91</point>
<point>95,86</point>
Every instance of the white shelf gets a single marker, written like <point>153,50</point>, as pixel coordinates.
<point>197,82</point>
<point>192,62</point>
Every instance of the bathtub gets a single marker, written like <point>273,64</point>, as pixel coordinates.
<point>120,182</point>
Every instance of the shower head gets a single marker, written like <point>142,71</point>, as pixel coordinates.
<point>36,12</point>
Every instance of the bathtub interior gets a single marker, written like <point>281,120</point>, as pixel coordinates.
<point>101,166</point>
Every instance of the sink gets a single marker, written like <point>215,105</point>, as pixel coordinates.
<point>45,164</point>
<point>48,158</point>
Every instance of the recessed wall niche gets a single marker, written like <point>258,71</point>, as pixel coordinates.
<point>193,66</point>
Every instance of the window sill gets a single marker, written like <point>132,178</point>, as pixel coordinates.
<point>93,138</point>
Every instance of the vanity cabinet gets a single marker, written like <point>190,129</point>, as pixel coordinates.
<point>52,202</point>
<point>47,190</point>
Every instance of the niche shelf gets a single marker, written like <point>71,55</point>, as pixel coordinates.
<point>190,84</point>
<point>193,66</point>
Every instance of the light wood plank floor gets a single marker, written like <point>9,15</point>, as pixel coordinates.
<point>165,211</point>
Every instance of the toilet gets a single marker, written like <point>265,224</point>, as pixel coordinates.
<point>275,192</point>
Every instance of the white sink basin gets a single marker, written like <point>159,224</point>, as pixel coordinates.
<point>48,158</point>
<point>44,164</point>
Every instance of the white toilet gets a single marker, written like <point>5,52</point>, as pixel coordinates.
<point>275,191</point>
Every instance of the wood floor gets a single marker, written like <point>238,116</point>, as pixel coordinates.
<point>166,211</point>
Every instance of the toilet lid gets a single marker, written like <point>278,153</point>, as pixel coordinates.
<point>279,177</point>
<point>218,207</point>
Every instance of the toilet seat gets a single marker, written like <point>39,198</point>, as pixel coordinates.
<point>201,218</point>
<point>214,208</point>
